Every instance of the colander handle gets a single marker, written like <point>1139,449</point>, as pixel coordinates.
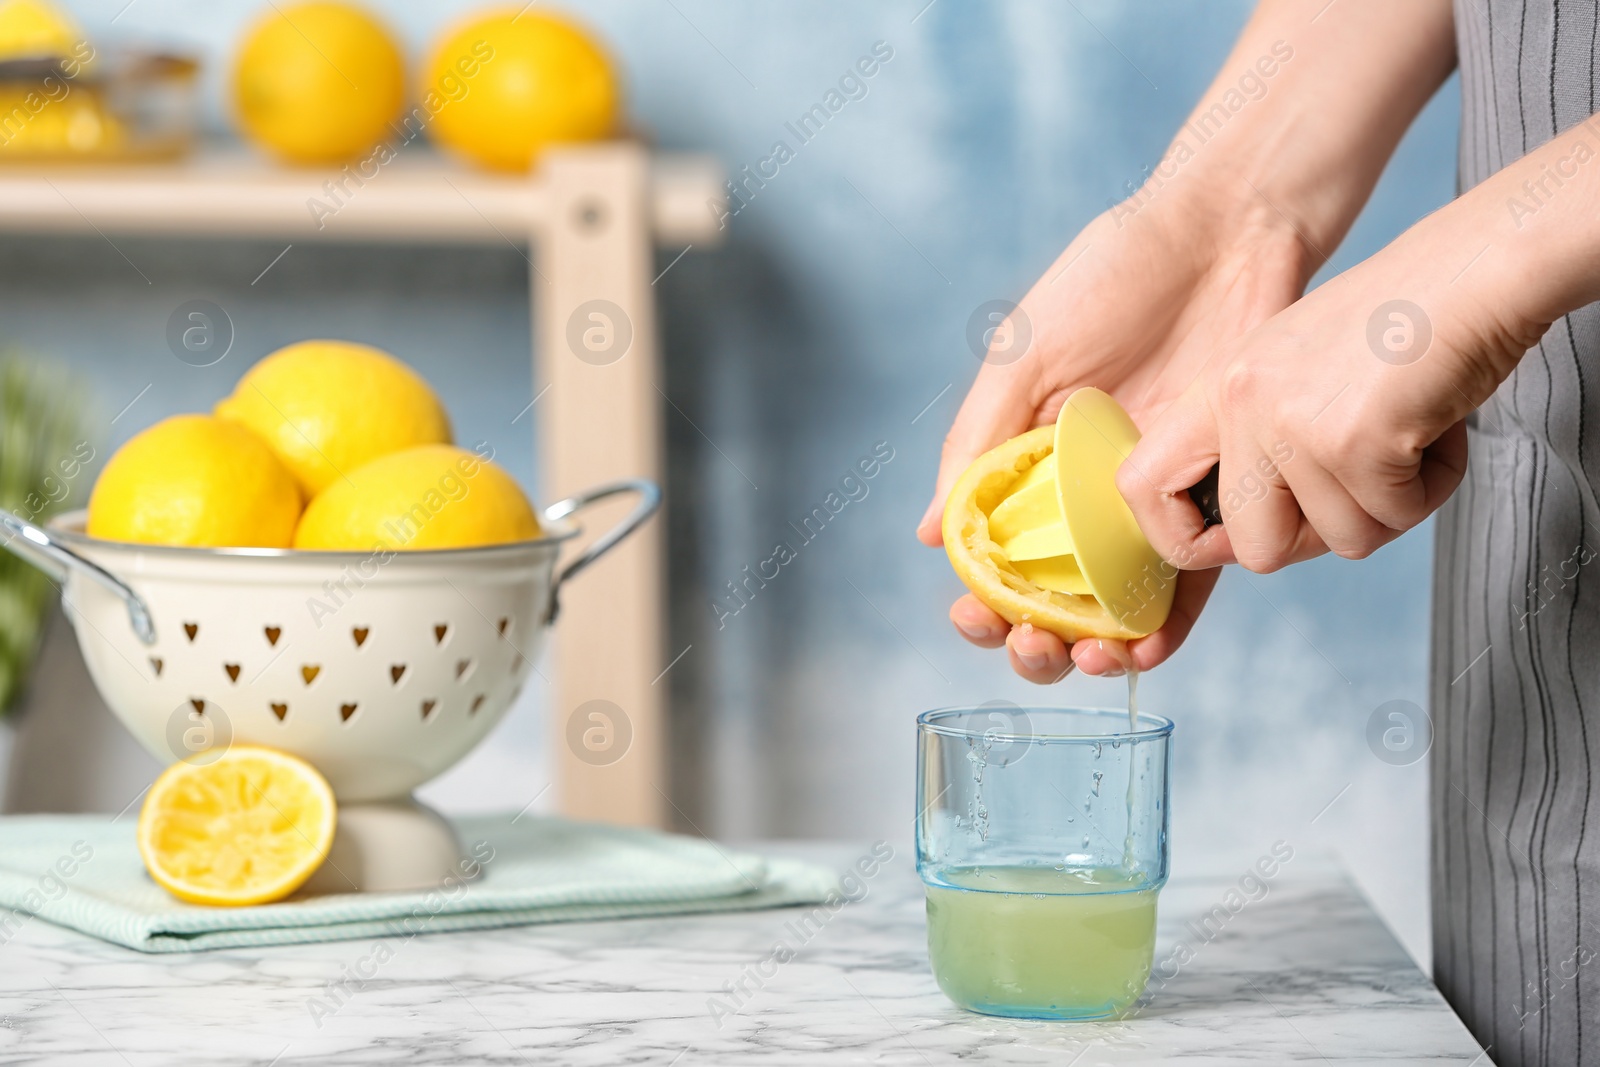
<point>649,500</point>
<point>33,544</point>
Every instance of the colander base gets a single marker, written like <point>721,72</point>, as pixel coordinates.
<point>388,845</point>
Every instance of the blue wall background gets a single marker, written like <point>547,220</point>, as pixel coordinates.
<point>833,315</point>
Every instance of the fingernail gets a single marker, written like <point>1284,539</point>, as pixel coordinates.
<point>1034,661</point>
<point>1114,671</point>
<point>977,633</point>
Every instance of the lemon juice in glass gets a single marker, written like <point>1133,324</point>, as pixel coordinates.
<point>1042,845</point>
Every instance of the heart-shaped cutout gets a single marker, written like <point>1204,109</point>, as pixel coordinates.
<point>191,628</point>
<point>427,707</point>
<point>309,672</point>
<point>280,710</point>
<point>360,634</point>
<point>345,711</point>
<point>273,632</point>
<point>233,671</point>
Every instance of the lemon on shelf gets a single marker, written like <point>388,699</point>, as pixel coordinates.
<point>246,826</point>
<point>530,79</point>
<point>432,496</point>
<point>318,82</point>
<point>77,126</point>
<point>198,481</point>
<point>45,117</point>
<point>329,407</point>
<point>36,29</point>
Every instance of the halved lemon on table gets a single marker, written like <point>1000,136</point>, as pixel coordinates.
<point>1037,530</point>
<point>247,827</point>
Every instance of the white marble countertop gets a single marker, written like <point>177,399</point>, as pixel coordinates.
<point>1307,973</point>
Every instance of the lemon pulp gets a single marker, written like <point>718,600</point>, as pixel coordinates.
<point>247,827</point>
<point>1029,527</point>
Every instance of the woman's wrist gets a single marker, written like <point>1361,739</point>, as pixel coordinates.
<point>1540,228</point>
<point>1512,255</point>
<point>1284,140</point>
<point>1204,213</point>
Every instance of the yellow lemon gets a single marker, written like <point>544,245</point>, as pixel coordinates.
<point>1038,531</point>
<point>504,85</point>
<point>432,496</point>
<point>199,481</point>
<point>993,577</point>
<point>248,827</point>
<point>36,28</point>
<point>328,407</point>
<point>74,126</point>
<point>318,82</point>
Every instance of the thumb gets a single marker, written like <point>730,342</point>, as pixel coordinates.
<point>1178,451</point>
<point>996,409</point>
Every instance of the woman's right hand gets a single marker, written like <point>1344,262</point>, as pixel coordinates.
<point>1135,305</point>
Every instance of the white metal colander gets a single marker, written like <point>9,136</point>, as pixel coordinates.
<point>380,669</point>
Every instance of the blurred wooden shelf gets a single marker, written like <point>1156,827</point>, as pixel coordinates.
<point>419,196</point>
<point>589,215</point>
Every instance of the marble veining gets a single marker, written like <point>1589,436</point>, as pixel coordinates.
<point>1308,974</point>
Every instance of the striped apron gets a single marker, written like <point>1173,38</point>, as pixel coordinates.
<point>1515,677</point>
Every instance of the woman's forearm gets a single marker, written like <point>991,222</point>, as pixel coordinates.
<point>1303,116</point>
<point>1490,271</point>
<point>1538,223</point>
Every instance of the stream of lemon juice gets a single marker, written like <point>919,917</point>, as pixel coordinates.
<point>1045,941</point>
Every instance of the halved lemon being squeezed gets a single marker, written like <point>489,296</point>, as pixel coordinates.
<point>247,827</point>
<point>1037,530</point>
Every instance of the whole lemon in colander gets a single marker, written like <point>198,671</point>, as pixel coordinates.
<point>328,407</point>
<point>503,86</point>
<point>199,481</point>
<point>431,496</point>
<point>318,82</point>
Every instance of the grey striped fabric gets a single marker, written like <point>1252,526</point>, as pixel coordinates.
<point>1515,679</point>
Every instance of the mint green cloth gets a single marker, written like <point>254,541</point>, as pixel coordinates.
<point>84,872</point>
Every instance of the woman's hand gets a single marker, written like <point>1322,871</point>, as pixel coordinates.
<point>1274,163</point>
<point>1134,306</point>
<point>1339,424</point>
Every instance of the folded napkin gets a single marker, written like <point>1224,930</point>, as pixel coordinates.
<point>84,872</point>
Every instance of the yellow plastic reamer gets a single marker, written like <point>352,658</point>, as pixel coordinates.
<point>1038,531</point>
